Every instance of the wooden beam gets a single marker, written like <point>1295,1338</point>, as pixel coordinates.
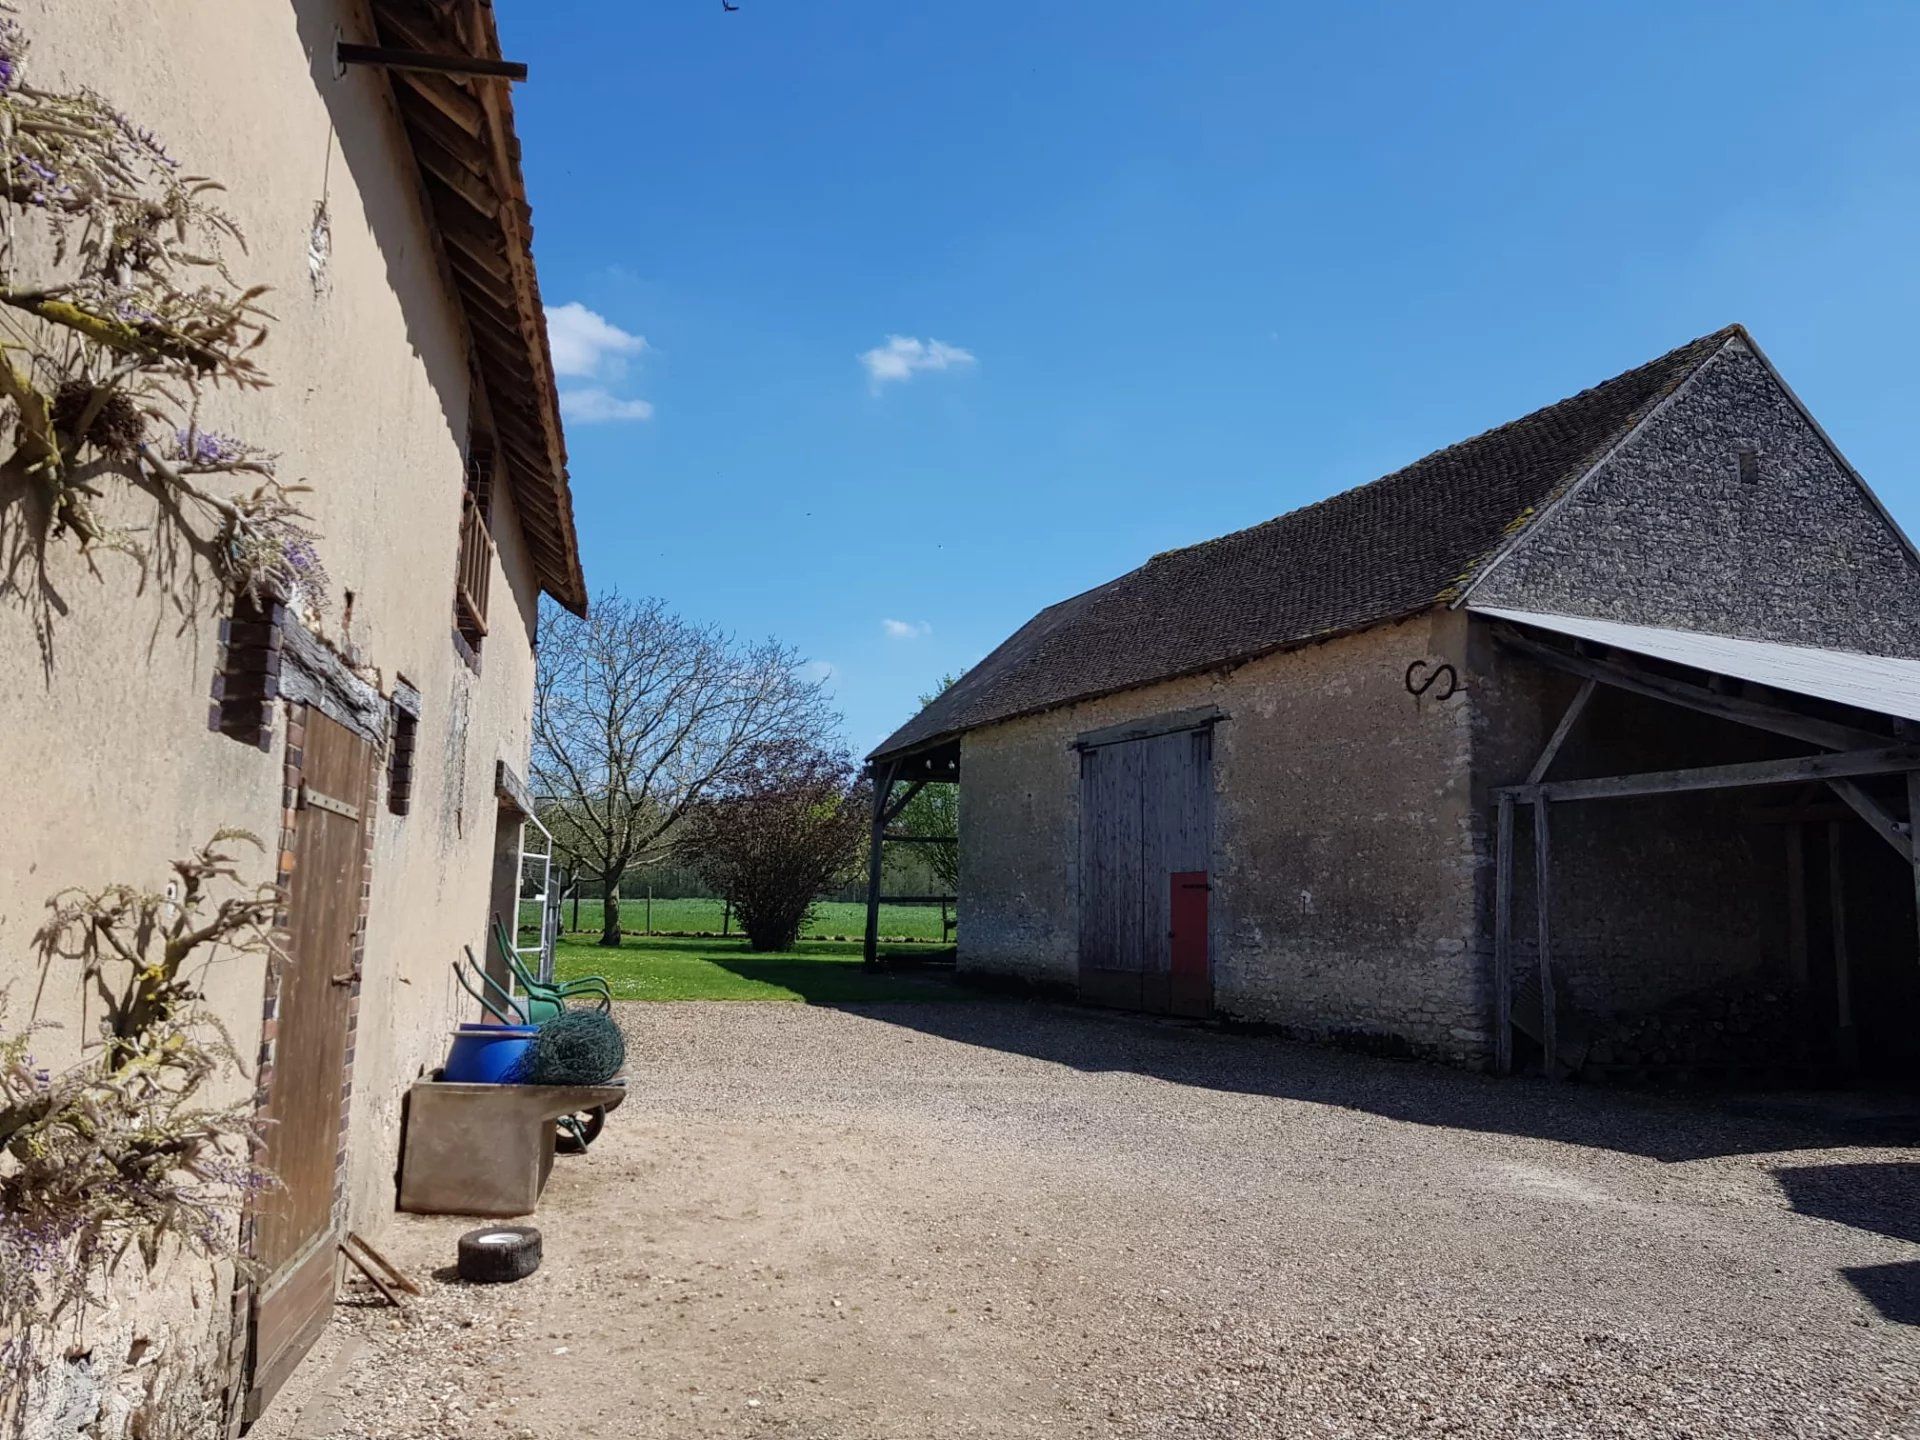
<point>914,787</point>
<point>1871,811</point>
<point>1503,940</point>
<point>431,121</point>
<point>471,274</point>
<point>1797,906</point>
<point>476,193</point>
<point>882,792</point>
<point>1846,1039</point>
<point>1543,906</point>
<point>387,57</point>
<point>484,254</point>
<point>446,97</point>
<point>1561,731</point>
<point>1891,760</point>
<point>1913,836</point>
<point>1738,709</point>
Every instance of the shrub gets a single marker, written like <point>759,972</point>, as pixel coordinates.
<point>791,825</point>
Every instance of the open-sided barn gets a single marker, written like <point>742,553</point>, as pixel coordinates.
<point>1585,742</point>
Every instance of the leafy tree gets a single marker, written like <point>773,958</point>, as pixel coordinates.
<point>789,826</point>
<point>639,715</point>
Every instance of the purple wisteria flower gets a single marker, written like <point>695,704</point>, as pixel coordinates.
<point>210,447</point>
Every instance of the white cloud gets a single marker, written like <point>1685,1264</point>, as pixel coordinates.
<point>594,405</point>
<point>818,670</point>
<point>906,629</point>
<point>903,356</point>
<point>588,346</point>
<point>585,344</point>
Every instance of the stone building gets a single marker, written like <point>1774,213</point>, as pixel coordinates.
<point>1300,775</point>
<point>376,748</point>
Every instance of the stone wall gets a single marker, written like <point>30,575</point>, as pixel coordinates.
<point>1668,533</point>
<point>1342,900</point>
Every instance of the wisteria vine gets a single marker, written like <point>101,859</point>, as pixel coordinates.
<point>138,317</point>
<point>115,1155</point>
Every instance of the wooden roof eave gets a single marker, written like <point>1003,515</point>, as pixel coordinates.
<point>462,136</point>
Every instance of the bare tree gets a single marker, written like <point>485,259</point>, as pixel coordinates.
<point>640,713</point>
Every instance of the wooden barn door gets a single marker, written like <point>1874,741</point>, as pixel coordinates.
<point>294,1226</point>
<point>1146,832</point>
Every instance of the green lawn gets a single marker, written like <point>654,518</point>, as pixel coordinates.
<point>815,972</point>
<point>830,918</point>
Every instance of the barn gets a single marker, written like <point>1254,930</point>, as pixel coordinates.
<point>1584,745</point>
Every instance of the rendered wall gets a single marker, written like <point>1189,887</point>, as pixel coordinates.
<point>107,767</point>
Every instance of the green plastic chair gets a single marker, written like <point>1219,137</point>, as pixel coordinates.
<point>540,992</point>
<point>500,1002</point>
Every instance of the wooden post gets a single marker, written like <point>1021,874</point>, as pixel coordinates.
<point>882,791</point>
<point>726,916</point>
<point>1847,1041</point>
<point>1913,838</point>
<point>649,907</point>
<point>1797,907</point>
<point>1543,904</point>
<point>1503,940</point>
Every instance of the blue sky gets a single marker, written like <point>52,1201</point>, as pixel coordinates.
<point>1160,271</point>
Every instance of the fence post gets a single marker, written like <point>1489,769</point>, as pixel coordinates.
<point>726,917</point>
<point>649,907</point>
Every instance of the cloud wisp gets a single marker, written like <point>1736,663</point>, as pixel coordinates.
<point>906,629</point>
<point>587,346</point>
<point>594,406</point>
<point>904,356</point>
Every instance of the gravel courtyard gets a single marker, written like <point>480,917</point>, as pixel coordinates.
<point>1001,1219</point>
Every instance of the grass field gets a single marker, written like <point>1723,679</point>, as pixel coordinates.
<point>902,922</point>
<point>815,972</point>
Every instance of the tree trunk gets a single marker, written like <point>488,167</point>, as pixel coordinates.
<point>610,914</point>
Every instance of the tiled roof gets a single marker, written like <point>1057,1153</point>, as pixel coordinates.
<point>1387,549</point>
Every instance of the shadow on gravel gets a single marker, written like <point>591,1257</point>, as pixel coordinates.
<point>1882,1198</point>
<point>1893,1290</point>
<point>1666,1127</point>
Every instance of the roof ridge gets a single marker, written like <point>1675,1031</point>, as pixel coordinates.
<point>1722,335</point>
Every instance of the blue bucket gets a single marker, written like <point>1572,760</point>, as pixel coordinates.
<point>487,1054</point>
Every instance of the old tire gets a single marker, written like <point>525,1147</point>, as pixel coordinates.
<point>495,1254</point>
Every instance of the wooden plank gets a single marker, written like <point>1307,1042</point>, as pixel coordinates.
<point>1892,760</point>
<point>399,1277</point>
<point>1741,711</point>
<point>1797,906</point>
<point>1503,939</point>
<point>1876,816</point>
<point>1575,708</point>
<point>1543,903</point>
<point>366,1269</point>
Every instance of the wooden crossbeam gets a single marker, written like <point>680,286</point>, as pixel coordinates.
<point>1876,816</point>
<point>387,57</point>
<point>1889,760</point>
<point>1740,710</point>
<point>1575,709</point>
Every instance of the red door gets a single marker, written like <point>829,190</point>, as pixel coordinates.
<point>1192,980</point>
